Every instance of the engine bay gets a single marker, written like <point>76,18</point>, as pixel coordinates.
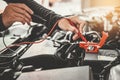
<point>98,46</point>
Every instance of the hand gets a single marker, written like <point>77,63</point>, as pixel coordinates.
<point>65,25</point>
<point>16,12</point>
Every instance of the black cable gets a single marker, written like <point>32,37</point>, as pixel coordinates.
<point>33,16</point>
<point>39,20</point>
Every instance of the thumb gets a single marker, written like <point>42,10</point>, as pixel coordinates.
<point>75,37</point>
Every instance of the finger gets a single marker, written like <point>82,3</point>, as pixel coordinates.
<point>65,25</point>
<point>76,20</point>
<point>72,28</point>
<point>26,20</point>
<point>79,22</point>
<point>23,6</point>
<point>20,19</point>
<point>80,26</point>
<point>75,37</point>
<point>22,12</point>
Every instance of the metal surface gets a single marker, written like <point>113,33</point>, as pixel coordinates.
<point>74,73</point>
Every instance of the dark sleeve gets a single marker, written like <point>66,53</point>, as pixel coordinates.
<point>50,16</point>
<point>2,27</point>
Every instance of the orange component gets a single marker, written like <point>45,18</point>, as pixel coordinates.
<point>103,39</point>
<point>92,47</point>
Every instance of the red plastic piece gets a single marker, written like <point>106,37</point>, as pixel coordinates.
<point>92,47</point>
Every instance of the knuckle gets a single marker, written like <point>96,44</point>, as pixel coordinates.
<point>27,16</point>
<point>22,20</point>
<point>27,20</point>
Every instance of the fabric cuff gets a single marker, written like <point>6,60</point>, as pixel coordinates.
<point>2,27</point>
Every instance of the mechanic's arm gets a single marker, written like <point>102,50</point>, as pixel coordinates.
<point>50,16</point>
<point>34,8</point>
<point>2,27</point>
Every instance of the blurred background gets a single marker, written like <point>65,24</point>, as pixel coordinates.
<point>71,6</point>
<point>66,7</point>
